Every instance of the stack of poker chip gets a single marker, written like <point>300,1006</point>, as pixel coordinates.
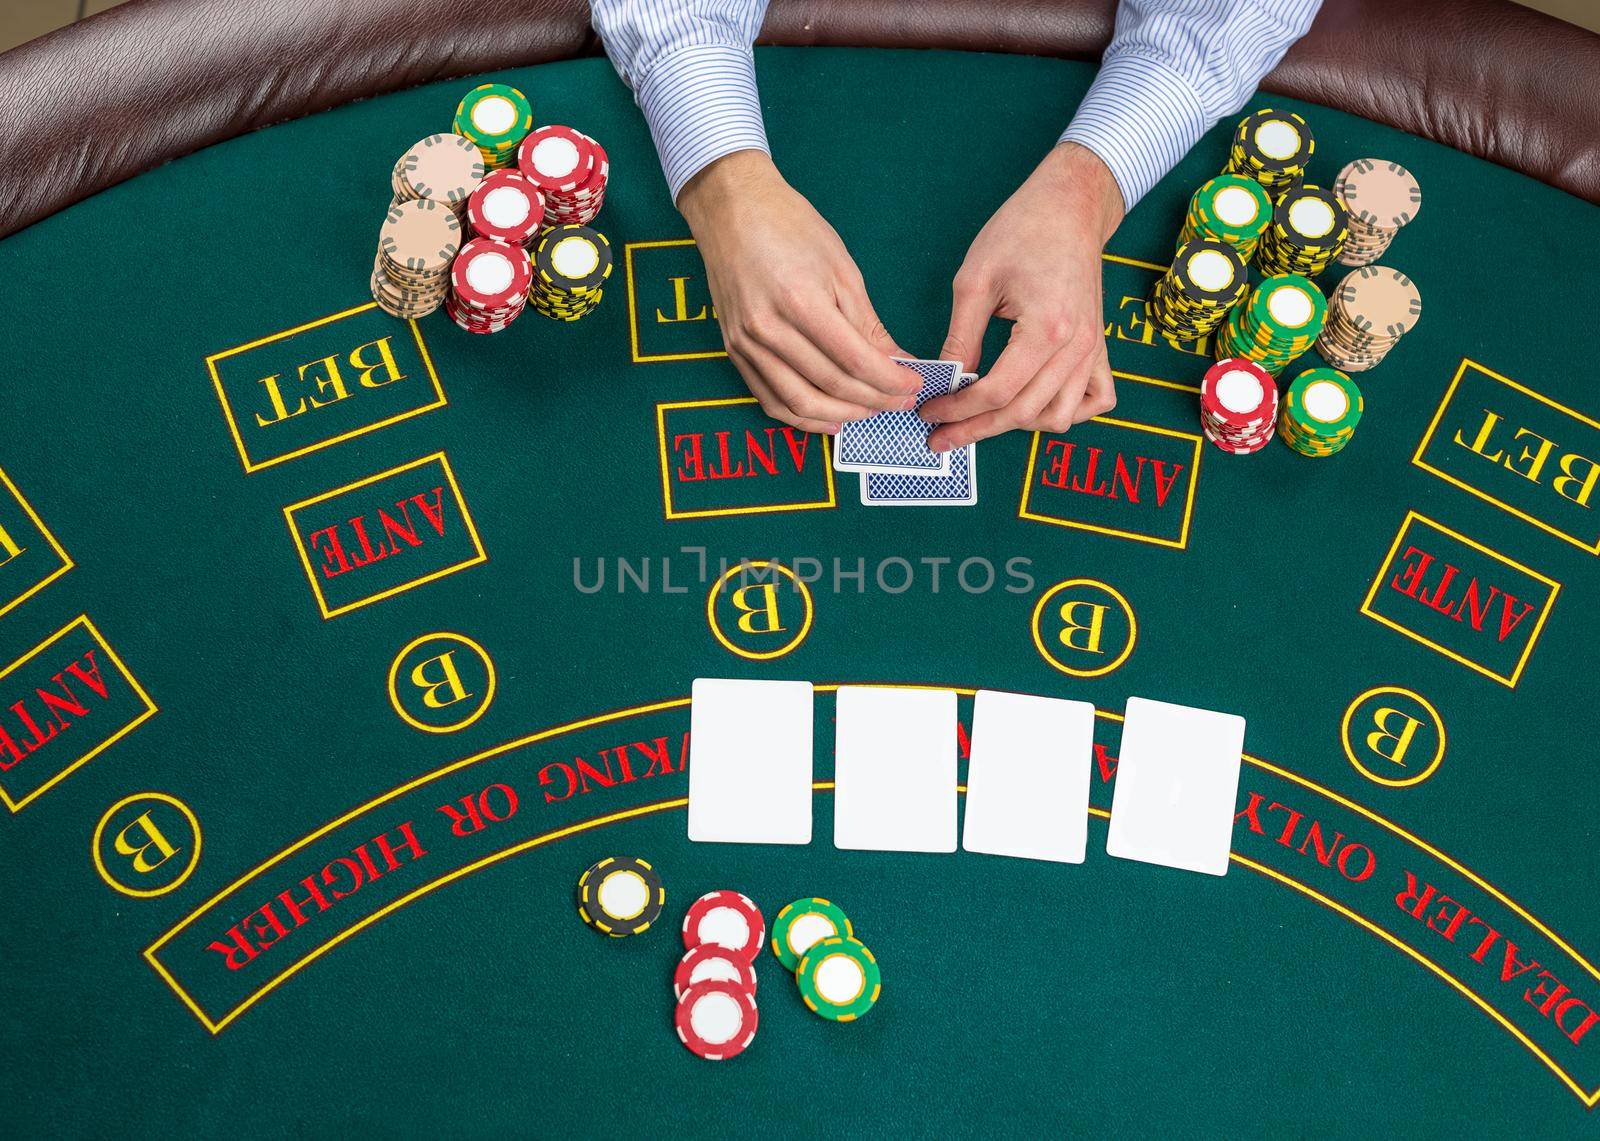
<point>570,267</point>
<point>570,169</point>
<point>488,285</point>
<point>620,896</point>
<point>445,168</point>
<point>1380,198</point>
<point>1279,320</point>
<point>837,975</point>
<point>1319,412</point>
<point>1238,406</point>
<point>1272,147</point>
<point>495,118</point>
<point>1308,230</point>
<point>1371,310</point>
<point>1228,208</point>
<point>715,981</point>
<point>506,207</point>
<point>1204,283</point>
<point>411,274</point>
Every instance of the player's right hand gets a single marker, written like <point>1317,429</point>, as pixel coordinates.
<point>793,306</point>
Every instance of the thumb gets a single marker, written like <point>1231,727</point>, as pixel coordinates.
<point>969,318</point>
<point>882,341</point>
<point>857,307</point>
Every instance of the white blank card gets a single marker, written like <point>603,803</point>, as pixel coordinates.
<point>1028,777</point>
<point>750,761</point>
<point>895,770</point>
<point>1177,786</point>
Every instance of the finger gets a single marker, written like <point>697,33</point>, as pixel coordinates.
<point>1099,395</point>
<point>1070,406</point>
<point>1058,378</point>
<point>857,309</point>
<point>819,369</point>
<point>853,337</point>
<point>970,310</point>
<point>798,395</point>
<point>1018,364</point>
<point>771,405</point>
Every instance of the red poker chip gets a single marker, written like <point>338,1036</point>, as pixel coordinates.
<point>1242,449</point>
<point>727,919</point>
<point>556,159</point>
<point>716,1020</point>
<point>490,274</point>
<point>507,207</point>
<point>1225,395</point>
<point>594,188</point>
<point>1236,435</point>
<point>486,316</point>
<point>710,963</point>
<point>477,320</point>
<point>602,169</point>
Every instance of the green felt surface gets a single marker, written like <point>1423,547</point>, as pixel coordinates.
<point>1018,996</point>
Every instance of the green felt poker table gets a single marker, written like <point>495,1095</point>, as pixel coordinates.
<point>334,647</point>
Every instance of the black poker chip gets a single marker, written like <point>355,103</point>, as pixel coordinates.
<point>621,896</point>
<point>1206,280</point>
<point>572,259</point>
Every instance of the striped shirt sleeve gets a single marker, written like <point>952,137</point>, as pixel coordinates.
<point>1173,68</point>
<point>692,71</point>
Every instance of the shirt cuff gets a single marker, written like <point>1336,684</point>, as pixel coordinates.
<point>701,103</point>
<point>1140,118</point>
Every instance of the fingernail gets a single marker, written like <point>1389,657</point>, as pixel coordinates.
<point>908,404</point>
<point>831,430</point>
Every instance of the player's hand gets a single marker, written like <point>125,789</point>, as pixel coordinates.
<point>1037,264</point>
<point>793,307</point>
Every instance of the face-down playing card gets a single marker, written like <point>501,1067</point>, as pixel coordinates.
<point>897,442</point>
<point>957,489</point>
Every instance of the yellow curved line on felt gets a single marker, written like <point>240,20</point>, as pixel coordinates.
<point>1590,1099</point>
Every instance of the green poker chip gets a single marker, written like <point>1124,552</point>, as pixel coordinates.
<point>1320,411</point>
<point>1228,208</point>
<point>494,117</point>
<point>839,979</point>
<point>803,924</point>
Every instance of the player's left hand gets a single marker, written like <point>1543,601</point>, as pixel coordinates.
<point>1037,264</point>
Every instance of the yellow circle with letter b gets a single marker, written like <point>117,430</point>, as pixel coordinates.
<point>1084,627</point>
<point>759,610</point>
<point>441,682</point>
<point>146,844</point>
<point>1393,736</point>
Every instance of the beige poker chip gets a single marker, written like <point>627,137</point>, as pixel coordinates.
<point>444,167</point>
<point>420,235</point>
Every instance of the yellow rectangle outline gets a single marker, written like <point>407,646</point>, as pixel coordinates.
<point>233,427</point>
<point>150,709</point>
<point>770,509</point>
<point>1180,543</point>
<point>633,307</point>
<point>1427,438</point>
<point>1538,627</point>
<point>33,517</point>
<point>461,502</point>
<point>656,358</point>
